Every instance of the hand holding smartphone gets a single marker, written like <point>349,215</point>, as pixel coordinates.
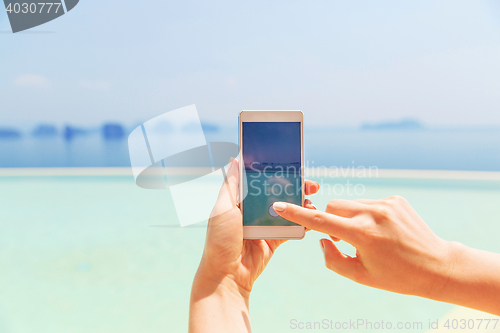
<point>271,169</point>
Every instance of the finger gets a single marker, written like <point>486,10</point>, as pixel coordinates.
<point>367,201</point>
<point>335,239</point>
<point>310,187</point>
<point>233,180</point>
<point>228,193</point>
<point>274,243</point>
<point>309,204</point>
<point>345,208</point>
<point>317,220</point>
<point>340,263</point>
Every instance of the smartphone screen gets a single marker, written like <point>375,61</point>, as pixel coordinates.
<point>272,162</point>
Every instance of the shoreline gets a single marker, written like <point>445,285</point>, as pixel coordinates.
<point>309,172</point>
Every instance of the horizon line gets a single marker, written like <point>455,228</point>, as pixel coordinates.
<point>309,172</point>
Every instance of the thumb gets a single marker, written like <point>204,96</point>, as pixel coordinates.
<point>340,263</point>
<point>228,193</point>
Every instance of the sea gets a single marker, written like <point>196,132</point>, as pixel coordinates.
<point>84,252</point>
<point>422,149</point>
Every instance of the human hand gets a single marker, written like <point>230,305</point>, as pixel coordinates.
<point>395,249</point>
<point>229,265</point>
<point>227,255</point>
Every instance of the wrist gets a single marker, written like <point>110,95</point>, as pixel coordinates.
<point>211,282</point>
<point>447,272</point>
<point>217,304</point>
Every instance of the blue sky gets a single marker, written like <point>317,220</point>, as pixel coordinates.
<point>341,62</point>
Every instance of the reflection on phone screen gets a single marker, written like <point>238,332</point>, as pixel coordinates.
<point>272,161</point>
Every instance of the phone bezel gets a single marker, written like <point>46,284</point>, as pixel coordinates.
<point>272,232</point>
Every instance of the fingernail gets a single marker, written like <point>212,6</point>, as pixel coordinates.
<point>322,246</point>
<point>279,206</point>
<point>314,206</point>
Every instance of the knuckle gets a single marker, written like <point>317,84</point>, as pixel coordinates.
<point>369,234</point>
<point>381,211</point>
<point>366,235</point>
<point>317,218</point>
<point>331,205</point>
<point>396,199</point>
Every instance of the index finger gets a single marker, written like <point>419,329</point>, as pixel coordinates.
<point>327,223</point>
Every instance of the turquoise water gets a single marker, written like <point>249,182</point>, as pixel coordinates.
<point>79,254</point>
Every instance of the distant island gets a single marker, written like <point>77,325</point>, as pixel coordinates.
<point>45,130</point>
<point>108,130</point>
<point>9,133</point>
<point>402,125</point>
<point>112,131</point>
<point>69,132</point>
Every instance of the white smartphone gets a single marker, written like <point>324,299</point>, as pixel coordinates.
<point>271,169</point>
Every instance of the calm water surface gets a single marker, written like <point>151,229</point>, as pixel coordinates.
<point>79,254</point>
